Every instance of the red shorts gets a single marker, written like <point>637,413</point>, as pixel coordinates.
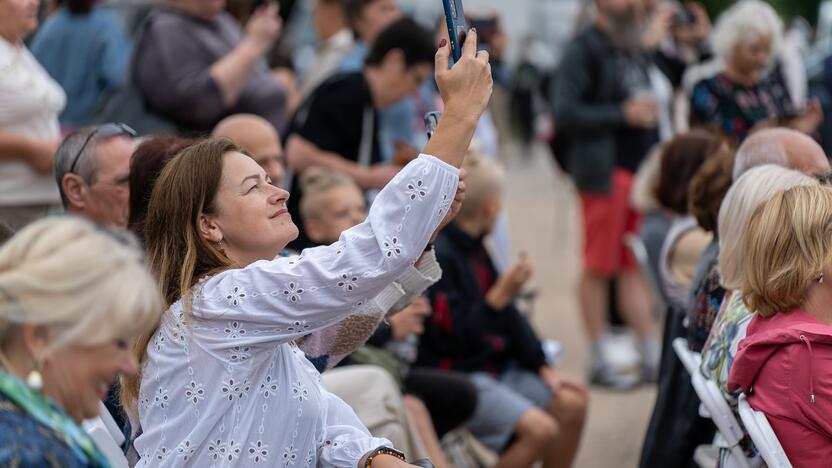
<point>608,218</point>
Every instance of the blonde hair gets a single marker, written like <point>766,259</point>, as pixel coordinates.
<point>751,190</point>
<point>789,244</point>
<point>746,21</point>
<point>77,280</point>
<point>315,183</point>
<point>485,178</point>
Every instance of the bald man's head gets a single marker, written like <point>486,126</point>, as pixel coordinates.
<point>257,136</point>
<point>783,147</point>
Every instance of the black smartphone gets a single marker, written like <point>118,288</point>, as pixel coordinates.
<point>431,122</point>
<point>457,27</point>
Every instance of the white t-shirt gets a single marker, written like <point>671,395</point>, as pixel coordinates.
<point>30,101</point>
<point>225,385</point>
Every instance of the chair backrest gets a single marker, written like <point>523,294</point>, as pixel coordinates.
<point>763,435</point>
<point>107,437</point>
<point>636,247</point>
<point>689,358</point>
<point>713,402</point>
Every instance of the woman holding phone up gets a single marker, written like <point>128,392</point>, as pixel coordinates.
<point>222,382</point>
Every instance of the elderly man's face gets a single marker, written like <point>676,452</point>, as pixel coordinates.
<point>106,200</point>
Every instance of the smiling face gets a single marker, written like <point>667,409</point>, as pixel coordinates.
<point>78,377</point>
<point>251,221</point>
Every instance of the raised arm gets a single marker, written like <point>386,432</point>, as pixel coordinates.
<point>465,89</point>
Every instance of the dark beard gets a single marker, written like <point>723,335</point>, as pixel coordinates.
<point>625,31</point>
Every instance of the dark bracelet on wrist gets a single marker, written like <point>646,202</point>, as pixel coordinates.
<point>383,451</point>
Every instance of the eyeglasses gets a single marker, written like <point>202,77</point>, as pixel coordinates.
<point>104,131</point>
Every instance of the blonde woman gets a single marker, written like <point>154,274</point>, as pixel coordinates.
<point>223,382</point>
<point>786,356</point>
<point>71,300</point>
<point>749,192</point>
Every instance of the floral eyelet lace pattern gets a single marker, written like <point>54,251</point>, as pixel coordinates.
<point>226,385</point>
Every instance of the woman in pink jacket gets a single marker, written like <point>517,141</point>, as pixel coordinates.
<point>784,364</point>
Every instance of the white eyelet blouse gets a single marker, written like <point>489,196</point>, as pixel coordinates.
<point>226,386</point>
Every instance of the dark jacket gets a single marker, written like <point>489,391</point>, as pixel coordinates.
<point>588,111</point>
<point>464,333</point>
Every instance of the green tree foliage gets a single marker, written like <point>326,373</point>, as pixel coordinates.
<point>787,8</point>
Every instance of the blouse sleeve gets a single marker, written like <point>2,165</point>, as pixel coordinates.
<point>326,348</point>
<point>346,440</point>
<point>283,299</point>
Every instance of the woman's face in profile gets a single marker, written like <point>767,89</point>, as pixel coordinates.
<point>251,219</point>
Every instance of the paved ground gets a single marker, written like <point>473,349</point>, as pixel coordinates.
<point>544,222</point>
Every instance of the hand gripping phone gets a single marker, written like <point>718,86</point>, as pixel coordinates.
<point>457,26</point>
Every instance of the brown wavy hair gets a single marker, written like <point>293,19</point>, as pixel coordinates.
<point>680,160</point>
<point>177,253</point>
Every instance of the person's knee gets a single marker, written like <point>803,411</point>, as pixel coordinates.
<point>538,428</point>
<point>570,407</point>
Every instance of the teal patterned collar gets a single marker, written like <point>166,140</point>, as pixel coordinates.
<point>47,412</point>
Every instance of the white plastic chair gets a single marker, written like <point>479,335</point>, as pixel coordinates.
<point>107,436</point>
<point>763,435</point>
<point>690,359</point>
<point>713,404</point>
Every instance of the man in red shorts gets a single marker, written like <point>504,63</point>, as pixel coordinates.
<point>607,117</point>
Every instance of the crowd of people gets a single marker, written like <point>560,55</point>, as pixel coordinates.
<point>247,264</point>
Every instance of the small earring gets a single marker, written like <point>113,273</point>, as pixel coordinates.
<point>820,279</point>
<point>35,379</point>
<point>221,248</point>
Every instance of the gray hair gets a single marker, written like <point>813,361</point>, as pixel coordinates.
<point>86,165</point>
<point>745,21</point>
<point>764,147</point>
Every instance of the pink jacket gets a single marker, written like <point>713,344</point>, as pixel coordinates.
<point>784,365</point>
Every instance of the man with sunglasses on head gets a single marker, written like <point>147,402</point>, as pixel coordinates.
<point>92,167</point>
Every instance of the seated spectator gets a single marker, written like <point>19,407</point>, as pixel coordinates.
<point>330,22</point>
<point>333,205</point>
<point>85,48</point>
<point>707,190</point>
<point>146,164</point>
<point>92,169</point>
<point>195,66</point>
<point>741,97</point>
<point>57,362</point>
<point>30,102</point>
<point>788,346</point>
<point>685,241</point>
<point>214,229</point>
<point>337,127</point>
<point>527,412</point>
<point>655,222</point>
<point>260,140</point>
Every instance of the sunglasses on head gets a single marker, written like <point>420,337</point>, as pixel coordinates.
<point>103,131</point>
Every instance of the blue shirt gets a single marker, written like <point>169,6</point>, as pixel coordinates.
<point>86,54</point>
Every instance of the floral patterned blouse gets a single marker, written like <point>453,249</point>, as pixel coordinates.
<point>226,386</point>
<point>735,109</point>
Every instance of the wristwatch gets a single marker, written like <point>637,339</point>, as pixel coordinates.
<point>383,451</point>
